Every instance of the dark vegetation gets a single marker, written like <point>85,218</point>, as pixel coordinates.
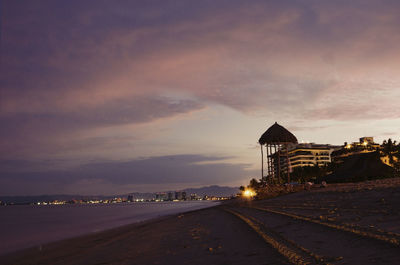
<point>360,167</point>
<point>355,167</point>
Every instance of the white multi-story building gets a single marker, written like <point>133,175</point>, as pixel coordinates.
<point>311,154</point>
<point>304,154</point>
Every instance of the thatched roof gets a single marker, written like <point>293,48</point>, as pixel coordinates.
<point>277,134</point>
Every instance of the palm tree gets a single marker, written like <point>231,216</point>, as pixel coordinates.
<point>388,149</point>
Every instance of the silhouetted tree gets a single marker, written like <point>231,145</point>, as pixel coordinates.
<point>254,184</point>
<point>389,149</point>
<point>310,173</point>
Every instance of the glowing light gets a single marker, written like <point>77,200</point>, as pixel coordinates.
<point>348,146</point>
<point>365,143</point>
<point>249,193</point>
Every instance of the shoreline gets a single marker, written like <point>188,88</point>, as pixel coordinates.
<point>361,217</point>
<point>202,235</point>
<point>32,226</point>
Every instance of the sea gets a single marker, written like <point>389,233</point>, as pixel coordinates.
<point>24,226</point>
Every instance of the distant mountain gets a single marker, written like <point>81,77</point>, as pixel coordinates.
<point>214,190</point>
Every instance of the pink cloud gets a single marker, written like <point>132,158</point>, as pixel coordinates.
<point>107,66</point>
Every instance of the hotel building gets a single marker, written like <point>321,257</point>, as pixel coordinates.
<point>303,155</point>
<point>311,154</point>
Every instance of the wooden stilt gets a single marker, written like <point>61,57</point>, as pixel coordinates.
<point>269,162</point>
<point>266,148</point>
<point>273,164</point>
<point>273,159</point>
<point>287,163</point>
<point>262,163</point>
<point>279,163</point>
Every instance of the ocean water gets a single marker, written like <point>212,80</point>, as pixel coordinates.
<point>24,226</point>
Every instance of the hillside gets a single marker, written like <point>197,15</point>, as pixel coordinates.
<point>360,167</point>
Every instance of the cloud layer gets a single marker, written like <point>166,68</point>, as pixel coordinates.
<point>261,55</point>
<point>74,75</point>
<point>108,177</point>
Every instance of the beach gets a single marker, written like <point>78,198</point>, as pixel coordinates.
<point>341,224</point>
<point>23,226</point>
<point>209,236</point>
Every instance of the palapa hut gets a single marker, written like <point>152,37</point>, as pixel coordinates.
<point>276,139</point>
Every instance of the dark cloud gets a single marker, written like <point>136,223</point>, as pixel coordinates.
<point>246,55</point>
<point>73,66</point>
<point>39,130</point>
<point>187,170</point>
<point>117,112</point>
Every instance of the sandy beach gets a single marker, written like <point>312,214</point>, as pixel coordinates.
<point>210,236</point>
<point>340,224</point>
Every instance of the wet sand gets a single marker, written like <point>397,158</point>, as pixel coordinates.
<point>305,227</point>
<point>209,236</point>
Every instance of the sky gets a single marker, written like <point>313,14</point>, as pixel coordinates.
<point>111,97</point>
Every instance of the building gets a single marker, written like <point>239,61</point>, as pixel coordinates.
<point>179,195</point>
<point>161,196</point>
<point>390,161</point>
<point>130,198</point>
<point>171,196</point>
<point>365,145</point>
<point>303,155</point>
<point>194,197</point>
<point>311,154</point>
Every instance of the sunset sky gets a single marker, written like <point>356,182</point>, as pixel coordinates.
<point>111,97</point>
